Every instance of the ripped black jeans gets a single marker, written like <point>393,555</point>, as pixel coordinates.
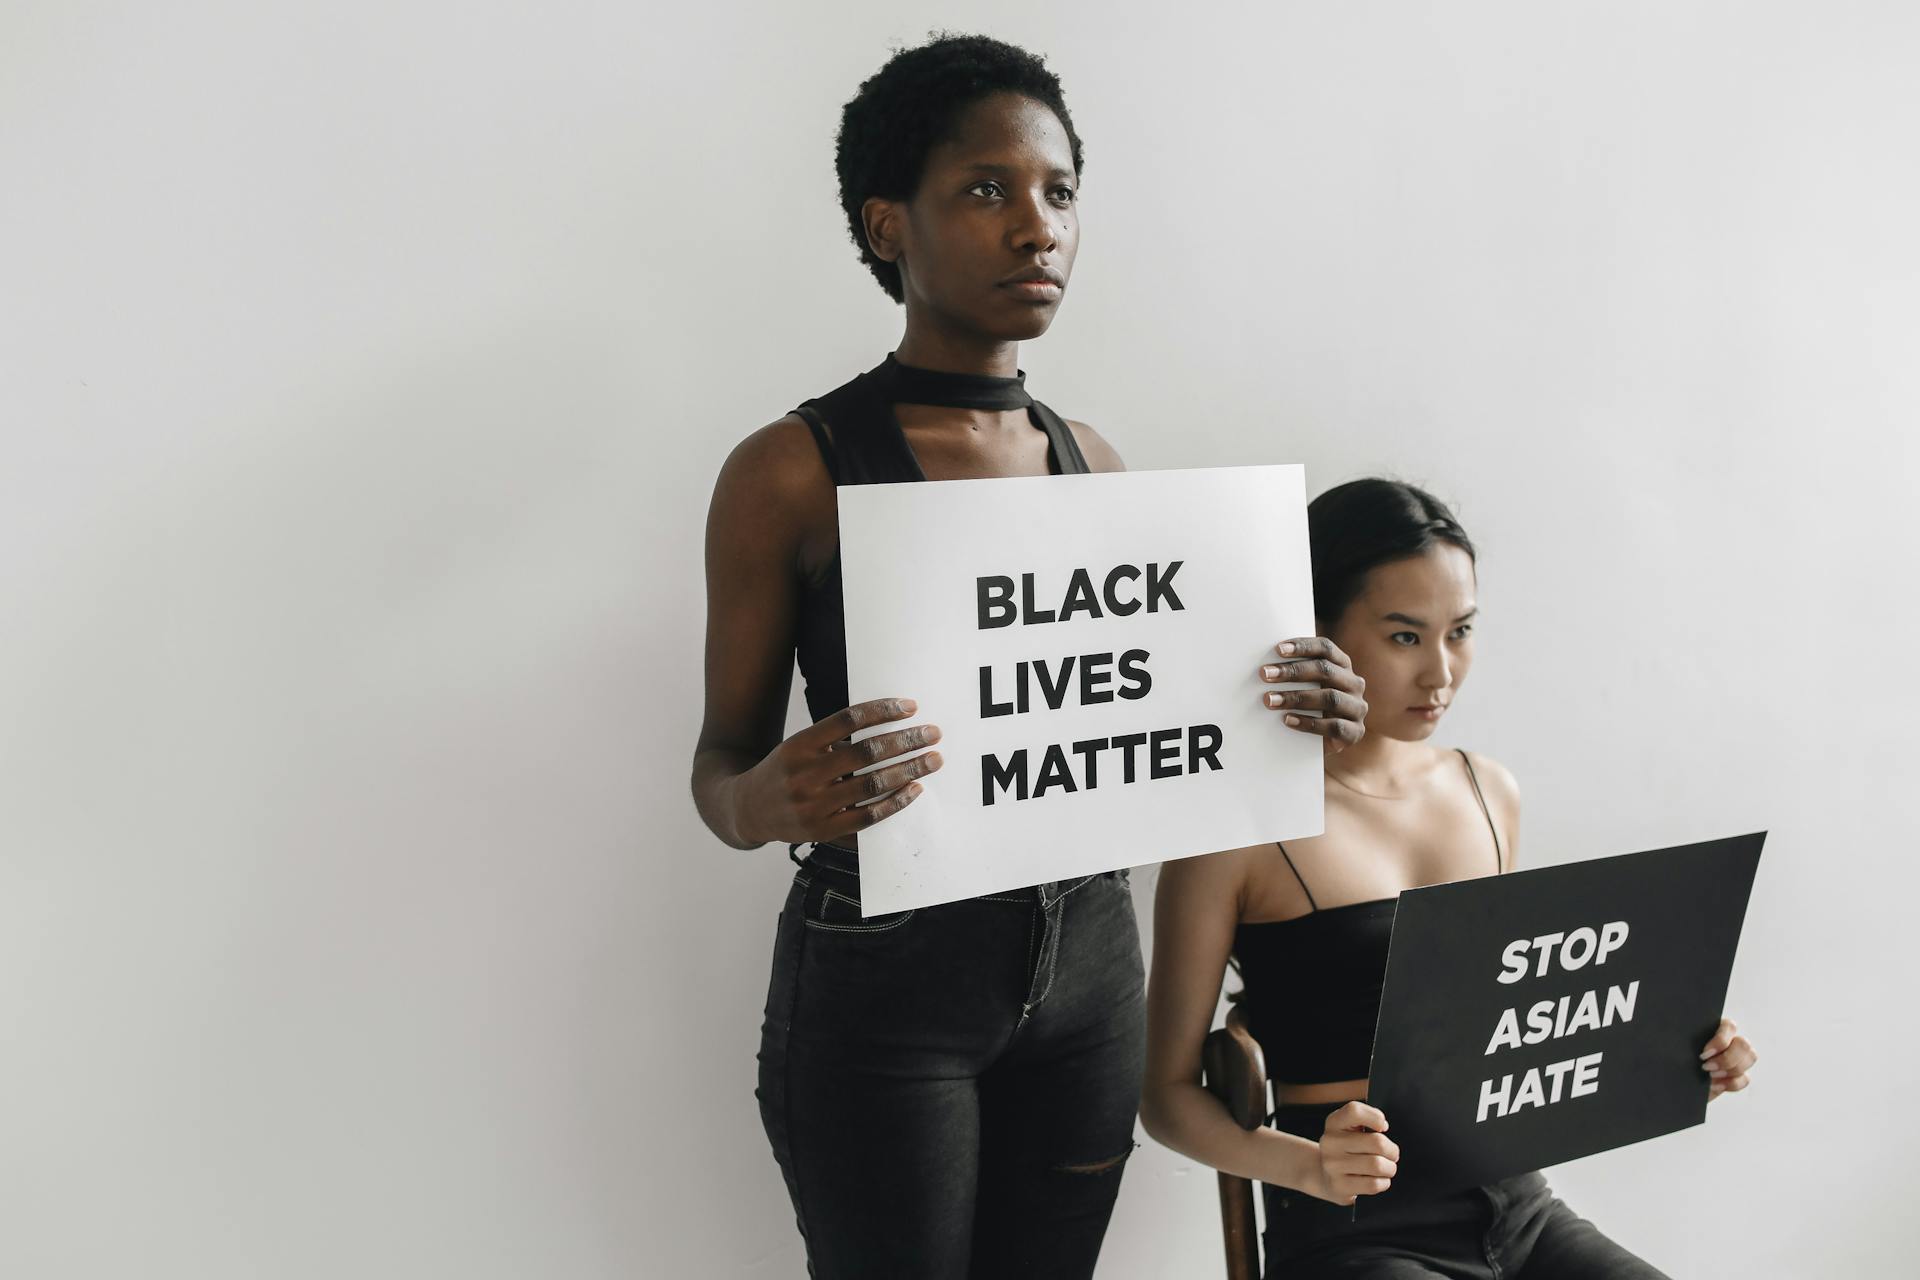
<point>951,1091</point>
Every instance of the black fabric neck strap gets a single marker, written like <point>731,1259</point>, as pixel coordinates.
<point>907,384</point>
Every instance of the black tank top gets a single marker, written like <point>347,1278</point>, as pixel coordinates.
<point>861,442</point>
<point>1312,983</point>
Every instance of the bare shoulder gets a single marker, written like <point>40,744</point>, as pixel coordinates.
<point>1210,878</point>
<point>779,462</point>
<point>773,503</point>
<point>1100,455</point>
<point>1502,791</point>
<point>1497,781</point>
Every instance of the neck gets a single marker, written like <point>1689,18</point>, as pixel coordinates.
<point>924,348</point>
<point>1378,763</point>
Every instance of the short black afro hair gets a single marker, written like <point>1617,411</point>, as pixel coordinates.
<point>910,106</point>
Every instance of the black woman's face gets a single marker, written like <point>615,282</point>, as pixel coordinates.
<point>987,241</point>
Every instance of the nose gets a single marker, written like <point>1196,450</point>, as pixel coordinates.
<point>1437,672</point>
<point>1035,229</point>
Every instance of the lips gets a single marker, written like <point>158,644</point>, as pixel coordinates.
<point>1038,276</point>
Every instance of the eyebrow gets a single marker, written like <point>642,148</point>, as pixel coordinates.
<point>1001,170</point>
<point>1416,622</point>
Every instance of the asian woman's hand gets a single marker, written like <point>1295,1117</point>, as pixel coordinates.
<point>1727,1059</point>
<point>1356,1156</point>
<point>806,789</point>
<point>1343,711</point>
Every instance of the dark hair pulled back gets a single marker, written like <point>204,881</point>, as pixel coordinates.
<point>1359,526</point>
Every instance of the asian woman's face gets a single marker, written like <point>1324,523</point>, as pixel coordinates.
<point>986,244</point>
<point>1410,635</point>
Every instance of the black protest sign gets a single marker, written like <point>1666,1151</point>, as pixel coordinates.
<point>1531,1018</point>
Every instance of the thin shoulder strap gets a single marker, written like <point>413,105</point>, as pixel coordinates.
<point>1311,904</point>
<point>1499,859</point>
<point>821,439</point>
<point>1066,450</point>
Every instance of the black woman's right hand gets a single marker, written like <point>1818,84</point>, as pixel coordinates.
<point>806,789</point>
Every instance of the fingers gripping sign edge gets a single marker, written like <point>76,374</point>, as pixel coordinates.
<point>829,731</point>
<point>1356,1117</point>
<point>877,776</point>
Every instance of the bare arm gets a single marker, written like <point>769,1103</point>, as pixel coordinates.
<point>749,785</point>
<point>1195,909</point>
<point>754,529</point>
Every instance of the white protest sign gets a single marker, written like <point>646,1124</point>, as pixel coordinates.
<point>1089,646</point>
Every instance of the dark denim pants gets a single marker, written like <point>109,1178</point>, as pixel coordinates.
<point>1514,1229</point>
<point>951,1091</point>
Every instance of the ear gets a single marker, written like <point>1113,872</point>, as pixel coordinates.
<point>885,222</point>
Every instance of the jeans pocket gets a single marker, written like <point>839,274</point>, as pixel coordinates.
<point>830,909</point>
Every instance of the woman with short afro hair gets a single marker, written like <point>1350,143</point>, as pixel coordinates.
<point>949,1091</point>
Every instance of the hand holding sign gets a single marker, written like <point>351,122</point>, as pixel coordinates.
<point>1727,1059</point>
<point>807,788</point>
<point>1356,1156</point>
<point>1342,718</point>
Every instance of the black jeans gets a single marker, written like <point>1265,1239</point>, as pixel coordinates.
<point>951,1091</point>
<point>1513,1229</point>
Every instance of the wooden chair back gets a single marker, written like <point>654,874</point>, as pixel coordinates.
<point>1233,1070</point>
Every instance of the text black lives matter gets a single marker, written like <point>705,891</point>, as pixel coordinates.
<point>1085,679</point>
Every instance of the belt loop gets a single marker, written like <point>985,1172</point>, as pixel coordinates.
<point>793,853</point>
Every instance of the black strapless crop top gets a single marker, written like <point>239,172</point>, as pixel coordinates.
<point>1312,989</point>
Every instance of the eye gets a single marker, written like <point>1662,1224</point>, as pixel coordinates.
<point>987,187</point>
<point>1462,631</point>
<point>1065,195</point>
<point>1405,639</point>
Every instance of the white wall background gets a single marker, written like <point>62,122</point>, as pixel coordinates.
<point>363,373</point>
